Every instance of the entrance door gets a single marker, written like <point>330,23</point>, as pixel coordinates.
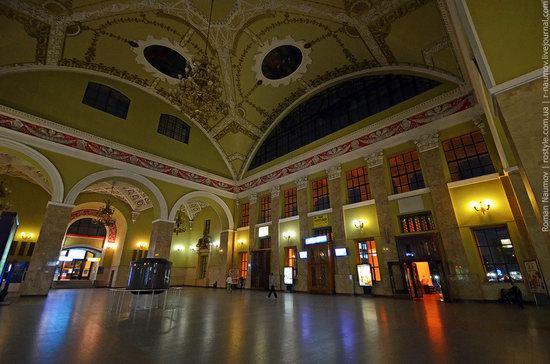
<point>397,277</point>
<point>320,278</point>
<point>260,269</point>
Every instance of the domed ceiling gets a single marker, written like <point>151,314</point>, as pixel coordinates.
<point>270,53</point>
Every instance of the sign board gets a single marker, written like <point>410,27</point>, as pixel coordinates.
<point>534,277</point>
<point>320,221</point>
<point>340,252</point>
<point>263,231</point>
<point>287,272</point>
<point>316,240</point>
<point>365,275</point>
<point>303,255</point>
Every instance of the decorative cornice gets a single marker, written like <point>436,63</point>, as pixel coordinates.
<point>334,172</point>
<point>253,198</point>
<point>275,191</point>
<point>427,142</point>
<point>301,183</point>
<point>375,159</point>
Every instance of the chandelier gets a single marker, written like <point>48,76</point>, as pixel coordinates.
<point>200,89</point>
<point>179,226</point>
<point>105,214</point>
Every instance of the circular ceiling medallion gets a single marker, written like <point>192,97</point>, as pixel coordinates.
<point>165,60</point>
<point>161,57</point>
<point>281,61</point>
<point>72,30</point>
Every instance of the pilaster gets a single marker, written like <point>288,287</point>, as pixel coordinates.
<point>385,243</point>
<point>462,283</point>
<point>161,239</point>
<point>44,259</point>
<point>253,218</point>
<point>275,253</point>
<point>300,283</point>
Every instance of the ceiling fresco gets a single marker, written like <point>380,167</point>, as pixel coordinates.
<point>270,53</point>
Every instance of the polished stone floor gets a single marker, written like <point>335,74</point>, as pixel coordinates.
<point>213,326</point>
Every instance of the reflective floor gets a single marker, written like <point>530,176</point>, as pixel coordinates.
<point>213,326</point>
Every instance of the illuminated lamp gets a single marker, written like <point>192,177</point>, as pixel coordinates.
<point>481,206</point>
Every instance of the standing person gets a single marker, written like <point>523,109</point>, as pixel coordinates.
<point>228,283</point>
<point>272,283</point>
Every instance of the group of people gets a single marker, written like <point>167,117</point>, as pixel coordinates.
<point>272,284</point>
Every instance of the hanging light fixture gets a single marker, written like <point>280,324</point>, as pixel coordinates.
<point>200,89</point>
<point>105,214</point>
<point>5,192</point>
<point>179,226</point>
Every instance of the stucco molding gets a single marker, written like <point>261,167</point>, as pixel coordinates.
<point>427,142</point>
<point>206,195</point>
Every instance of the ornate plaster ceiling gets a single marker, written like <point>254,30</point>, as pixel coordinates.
<point>193,207</point>
<point>125,192</point>
<point>340,38</point>
<point>20,168</point>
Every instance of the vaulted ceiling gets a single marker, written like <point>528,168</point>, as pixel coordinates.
<point>338,39</point>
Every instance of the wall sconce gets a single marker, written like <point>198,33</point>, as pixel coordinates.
<point>481,206</point>
<point>287,235</point>
<point>216,245</point>
<point>180,248</point>
<point>141,245</point>
<point>358,224</point>
<point>26,236</point>
<point>241,243</point>
<point>193,248</point>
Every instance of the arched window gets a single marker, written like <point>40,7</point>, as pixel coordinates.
<point>86,227</point>
<point>174,128</point>
<point>106,99</point>
<point>336,108</point>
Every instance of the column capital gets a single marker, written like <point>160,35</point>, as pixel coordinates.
<point>334,172</point>
<point>275,191</point>
<point>427,142</point>
<point>480,123</point>
<point>253,198</point>
<point>375,159</point>
<point>301,183</point>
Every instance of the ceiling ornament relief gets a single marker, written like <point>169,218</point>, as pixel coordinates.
<point>125,192</point>
<point>270,46</point>
<point>19,168</point>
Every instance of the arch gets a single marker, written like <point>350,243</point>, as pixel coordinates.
<point>98,176</point>
<point>208,196</point>
<point>48,167</point>
<point>408,69</point>
<point>76,215</point>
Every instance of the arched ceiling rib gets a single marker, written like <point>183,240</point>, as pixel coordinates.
<point>342,37</point>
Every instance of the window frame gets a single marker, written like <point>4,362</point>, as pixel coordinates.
<point>292,262</point>
<point>320,194</point>
<point>290,202</point>
<point>359,182</point>
<point>243,259</point>
<point>406,166</point>
<point>460,158</point>
<point>265,208</point>
<point>174,128</point>
<point>429,222</point>
<point>245,214</point>
<point>107,99</point>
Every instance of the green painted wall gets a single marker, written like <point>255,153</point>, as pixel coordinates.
<point>510,32</point>
<point>42,93</point>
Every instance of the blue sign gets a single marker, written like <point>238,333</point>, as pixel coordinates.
<point>316,240</point>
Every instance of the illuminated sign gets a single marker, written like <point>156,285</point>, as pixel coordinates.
<point>365,275</point>
<point>316,240</point>
<point>340,252</point>
<point>263,231</point>
<point>320,221</point>
<point>287,272</point>
<point>93,259</point>
<point>77,253</point>
<point>65,259</point>
<point>303,255</point>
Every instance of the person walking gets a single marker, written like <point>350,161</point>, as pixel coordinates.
<point>272,284</point>
<point>228,283</point>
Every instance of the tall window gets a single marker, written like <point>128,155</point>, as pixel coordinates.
<point>244,264</point>
<point>467,156</point>
<point>358,185</point>
<point>366,254</point>
<point>406,173</point>
<point>320,194</point>
<point>13,248</point>
<point>245,214</point>
<point>31,249</point>
<point>174,128</point>
<point>417,223</point>
<point>106,99</point>
<point>139,253</point>
<point>203,262</point>
<point>497,254</point>
<point>290,259</point>
<point>265,208</point>
<point>291,202</point>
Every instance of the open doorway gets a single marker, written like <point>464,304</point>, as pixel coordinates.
<point>424,280</point>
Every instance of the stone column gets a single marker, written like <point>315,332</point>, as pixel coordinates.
<point>462,283</point>
<point>161,239</point>
<point>300,283</point>
<point>46,253</point>
<point>225,251</point>
<point>275,253</point>
<point>342,283</point>
<point>253,218</point>
<point>385,243</point>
